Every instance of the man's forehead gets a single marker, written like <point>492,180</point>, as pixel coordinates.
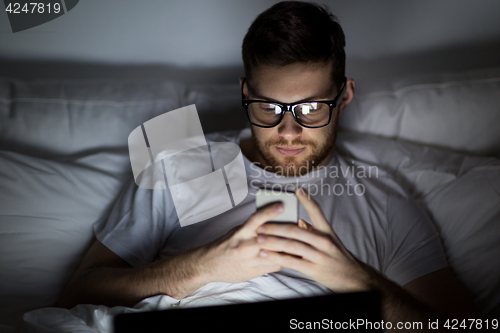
<point>292,83</point>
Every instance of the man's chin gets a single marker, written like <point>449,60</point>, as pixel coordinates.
<point>292,167</point>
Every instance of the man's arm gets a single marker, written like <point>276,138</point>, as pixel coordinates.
<point>437,295</point>
<point>442,291</point>
<point>318,253</point>
<point>104,278</point>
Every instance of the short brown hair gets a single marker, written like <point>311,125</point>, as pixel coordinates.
<point>295,32</point>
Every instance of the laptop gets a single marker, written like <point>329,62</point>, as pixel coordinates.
<point>351,311</point>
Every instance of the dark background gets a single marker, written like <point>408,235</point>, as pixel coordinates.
<point>200,41</point>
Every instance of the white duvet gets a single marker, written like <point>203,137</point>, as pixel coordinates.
<point>99,318</point>
<point>41,245</point>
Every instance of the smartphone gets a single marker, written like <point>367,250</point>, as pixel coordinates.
<point>265,196</point>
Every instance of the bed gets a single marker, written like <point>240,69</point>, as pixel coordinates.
<point>64,159</point>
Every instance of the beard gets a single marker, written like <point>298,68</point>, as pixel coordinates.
<point>292,166</point>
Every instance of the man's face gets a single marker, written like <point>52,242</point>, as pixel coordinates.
<point>290,149</point>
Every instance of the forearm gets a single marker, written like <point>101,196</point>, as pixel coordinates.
<point>176,276</point>
<point>399,306</point>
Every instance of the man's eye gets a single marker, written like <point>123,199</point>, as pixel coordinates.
<point>269,108</point>
<point>308,108</point>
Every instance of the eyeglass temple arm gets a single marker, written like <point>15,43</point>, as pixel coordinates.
<point>341,93</point>
<point>242,83</point>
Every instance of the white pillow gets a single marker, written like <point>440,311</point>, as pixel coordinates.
<point>461,194</point>
<point>47,209</point>
<point>54,118</point>
<point>460,111</point>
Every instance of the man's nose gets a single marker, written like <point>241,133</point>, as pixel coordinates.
<point>289,129</point>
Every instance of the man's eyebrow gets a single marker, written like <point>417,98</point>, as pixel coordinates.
<point>322,96</point>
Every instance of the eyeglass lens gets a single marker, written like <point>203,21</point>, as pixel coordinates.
<point>309,114</point>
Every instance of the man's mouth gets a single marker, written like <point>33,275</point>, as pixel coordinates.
<point>290,151</point>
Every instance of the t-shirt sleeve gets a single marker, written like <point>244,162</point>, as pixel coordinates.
<point>138,224</point>
<point>413,248</point>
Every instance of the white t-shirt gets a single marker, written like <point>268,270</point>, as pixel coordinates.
<point>371,214</point>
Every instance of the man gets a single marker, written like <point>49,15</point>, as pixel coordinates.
<point>375,240</point>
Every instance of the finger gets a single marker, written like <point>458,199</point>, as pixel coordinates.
<point>248,250</point>
<point>318,220</point>
<point>262,260</point>
<point>262,215</point>
<point>319,240</point>
<point>304,225</point>
<point>245,248</point>
<point>287,261</point>
<point>290,246</point>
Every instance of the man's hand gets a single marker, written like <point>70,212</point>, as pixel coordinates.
<point>316,252</point>
<point>236,256</point>
<point>104,278</point>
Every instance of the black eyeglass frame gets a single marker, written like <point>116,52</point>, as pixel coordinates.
<point>290,107</point>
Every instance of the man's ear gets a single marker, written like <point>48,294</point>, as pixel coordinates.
<point>245,88</point>
<point>348,95</point>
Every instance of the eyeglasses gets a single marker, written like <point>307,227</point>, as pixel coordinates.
<point>311,114</point>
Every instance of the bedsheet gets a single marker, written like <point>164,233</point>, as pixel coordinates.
<point>48,208</point>
<point>99,318</point>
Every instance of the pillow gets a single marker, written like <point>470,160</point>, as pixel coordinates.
<point>47,209</point>
<point>461,194</point>
<point>459,111</point>
<point>55,118</point>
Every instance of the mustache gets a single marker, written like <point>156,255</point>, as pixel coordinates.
<point>295,142</point>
